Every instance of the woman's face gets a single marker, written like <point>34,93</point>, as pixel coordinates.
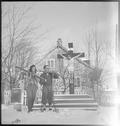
<point>33,69</point>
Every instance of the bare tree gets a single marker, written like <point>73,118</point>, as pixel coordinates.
<point>98,53</point>
<point>64,80</point>
<point>16,35</point>
<point>65,77</point>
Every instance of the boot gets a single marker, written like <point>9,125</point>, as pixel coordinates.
<point>50,107</point>
<point>43,108</point>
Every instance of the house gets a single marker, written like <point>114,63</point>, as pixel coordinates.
<point>64,60</point>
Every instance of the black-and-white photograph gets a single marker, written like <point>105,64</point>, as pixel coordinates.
<point>59,63</point>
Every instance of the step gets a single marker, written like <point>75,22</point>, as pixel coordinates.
<point>70,108</point>
<point>76,104</point>
<point>82,100</point>
<point>66,96</point>
<point>71,105</point>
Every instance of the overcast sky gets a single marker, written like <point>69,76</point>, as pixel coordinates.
<point>70,21</point>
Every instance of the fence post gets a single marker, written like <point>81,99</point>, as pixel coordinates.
<point>7,97</point>
<point>25,98</point>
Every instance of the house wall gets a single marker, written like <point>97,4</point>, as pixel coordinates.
<point>80,73</point>
<point>57,62</point>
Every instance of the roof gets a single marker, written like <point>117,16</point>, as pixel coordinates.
<point>56,47</point>
<point>66,55</point>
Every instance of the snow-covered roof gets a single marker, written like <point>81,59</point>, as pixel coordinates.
<point>83,58</point>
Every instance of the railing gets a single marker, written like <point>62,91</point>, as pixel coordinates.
<point>104,98</point>
<point>38,97</point>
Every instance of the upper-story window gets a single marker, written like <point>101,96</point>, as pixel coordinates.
<point>51,63</point>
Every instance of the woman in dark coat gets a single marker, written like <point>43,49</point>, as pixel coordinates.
<point>47,90</point>
<point>31,87</point>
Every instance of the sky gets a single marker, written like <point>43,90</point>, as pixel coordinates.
<point>70,21</point>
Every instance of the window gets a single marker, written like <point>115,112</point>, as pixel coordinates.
<point>48,63</point>
<point>51,63</point>
<point>78,81</point>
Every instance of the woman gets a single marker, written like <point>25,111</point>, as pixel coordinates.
<point>31,87</point>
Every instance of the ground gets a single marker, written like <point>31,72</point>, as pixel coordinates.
<point>65,116</point>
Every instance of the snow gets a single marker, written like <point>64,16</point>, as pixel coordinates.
<point>64,116</point>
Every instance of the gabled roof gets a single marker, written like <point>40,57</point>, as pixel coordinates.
<point>56,47</point>
<point>77,55</point>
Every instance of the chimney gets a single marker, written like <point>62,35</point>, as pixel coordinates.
<point>70,47</point>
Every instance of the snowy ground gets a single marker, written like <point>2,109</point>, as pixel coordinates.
<point>65,116</point>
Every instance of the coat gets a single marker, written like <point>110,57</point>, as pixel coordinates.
<point>32,86</point>
<point>47,91</point>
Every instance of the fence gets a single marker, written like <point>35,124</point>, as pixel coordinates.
<point>38,96</point>
<point>104,98</point>
<point>7,97</point>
